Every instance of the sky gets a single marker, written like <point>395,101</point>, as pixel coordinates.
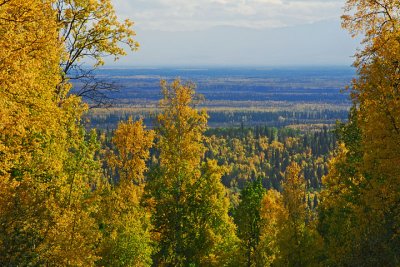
<point>237,32</point>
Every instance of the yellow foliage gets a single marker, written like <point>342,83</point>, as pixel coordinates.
<point>272,214</point>
<point>133,145</point>
<point>46,165</point>
<point>181,127</point>
<point>126,224</point>
<point>91,29</point>
<point>376,95</point>
<point>191,205</point>
<point>288,234</point>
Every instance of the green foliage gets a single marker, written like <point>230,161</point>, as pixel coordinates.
<point>190,208</point>
<point>125,223</point>
<point>359,213</point>
<point>248,220</point>
<point>298,239</point>
<point>288,226</point>
<point>265,152</point>
<point>52,193</point>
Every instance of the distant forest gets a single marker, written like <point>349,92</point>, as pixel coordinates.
<point>266,96</point>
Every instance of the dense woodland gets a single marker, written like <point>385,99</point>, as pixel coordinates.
<point>181,194</point>
<point>265,153</point>
<point>106,118</point>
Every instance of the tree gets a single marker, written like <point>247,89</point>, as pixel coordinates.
<point>353,231</point>
<point>90,31</point>
<point>190,207</point>
<point>125,223</point>
<point>47,164</point>
<point>291,238</point>
<point>338,219</point>
<point>288,234</point>
<point>51,183</point>
<point>132,148</point>
<point>24,47</point>
<point>272,214</point>
<point>248,220</point>
<point>375,91</point>
<point>362,191</point>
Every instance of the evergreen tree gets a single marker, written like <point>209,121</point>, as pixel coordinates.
<point>248,220</point>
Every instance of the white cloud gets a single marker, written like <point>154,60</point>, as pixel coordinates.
<point>178,15</point>
<point>284,32</point>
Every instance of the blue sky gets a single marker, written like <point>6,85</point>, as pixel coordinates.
<point>237,32</point>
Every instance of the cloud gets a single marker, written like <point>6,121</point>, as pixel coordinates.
<point>184,15</point>
<point>321,43</point>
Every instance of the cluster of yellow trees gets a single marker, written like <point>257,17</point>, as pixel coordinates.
<point>67,199</point>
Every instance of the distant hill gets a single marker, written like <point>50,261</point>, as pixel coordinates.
<point>322,43</point>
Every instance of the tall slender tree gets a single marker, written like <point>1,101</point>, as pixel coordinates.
<point>190,204</point>
<point>248,220</point>
<point>125,223</point>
